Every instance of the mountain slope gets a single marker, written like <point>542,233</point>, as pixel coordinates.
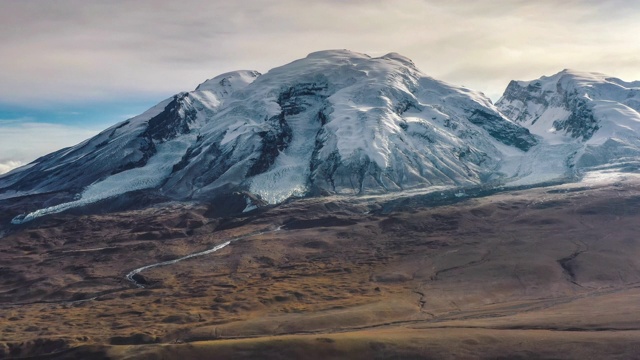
<point>127,145</point>
<point>333,122</point>
<point>343,122</point>
<point>589,118</point>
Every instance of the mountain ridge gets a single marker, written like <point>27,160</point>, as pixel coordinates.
<point>340,122</point>
<point>597,115</point>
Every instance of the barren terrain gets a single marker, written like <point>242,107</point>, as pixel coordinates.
<point>542,273</point>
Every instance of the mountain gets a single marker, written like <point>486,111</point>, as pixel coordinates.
<point>463,265</point>
<point>333,122</point>
<point>586,120</point>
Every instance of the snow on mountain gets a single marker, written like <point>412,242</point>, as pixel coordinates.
<point>343,122</point>
<point>126,146</point>
<point>333,122</point>
<point>584,119</point>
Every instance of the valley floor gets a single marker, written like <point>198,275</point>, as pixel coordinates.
<point>542,273</point>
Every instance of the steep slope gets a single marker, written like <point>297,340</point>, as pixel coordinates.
<point>117,151</point>
<point>343,122</point>
<point>586,119</point>
<point>333,122</point>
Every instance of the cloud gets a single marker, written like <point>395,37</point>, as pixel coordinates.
<point>72,50</point>
<point>22,142</point>
<point>9,165</point>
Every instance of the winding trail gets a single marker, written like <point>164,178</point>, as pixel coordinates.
<point>130,275</point>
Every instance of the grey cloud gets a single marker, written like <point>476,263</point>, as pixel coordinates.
<point>72,50</point>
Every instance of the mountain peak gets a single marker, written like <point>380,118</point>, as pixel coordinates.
<point>336,121</point>
<point>337,53</point>
<point>230,81</point>
<point>589,117</point>
<point>572,79</point>
<point>343,55</point>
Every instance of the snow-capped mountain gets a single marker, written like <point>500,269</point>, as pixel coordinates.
<point>333,122</point>
<point>585,119</point>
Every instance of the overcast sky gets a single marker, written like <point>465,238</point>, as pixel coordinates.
<point>69,68</point>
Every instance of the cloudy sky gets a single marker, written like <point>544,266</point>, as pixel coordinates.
<point>70,68</point>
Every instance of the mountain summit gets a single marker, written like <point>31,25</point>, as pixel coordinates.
<point>590,119</point>
<point>340,122</point>
<point>334,122</point>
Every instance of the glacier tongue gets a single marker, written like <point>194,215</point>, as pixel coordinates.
<point>288,175</point>
<point>150,176</point>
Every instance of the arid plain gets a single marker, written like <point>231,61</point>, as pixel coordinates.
<point>545,273</point>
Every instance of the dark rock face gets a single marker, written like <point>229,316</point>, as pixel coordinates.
<point>531,93</point>
<point>298,98</point>
<point>518,98</point>
<point>273,142</point>
<point>505,132</point>
<point>581,124</point>
<point>173,121</point>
